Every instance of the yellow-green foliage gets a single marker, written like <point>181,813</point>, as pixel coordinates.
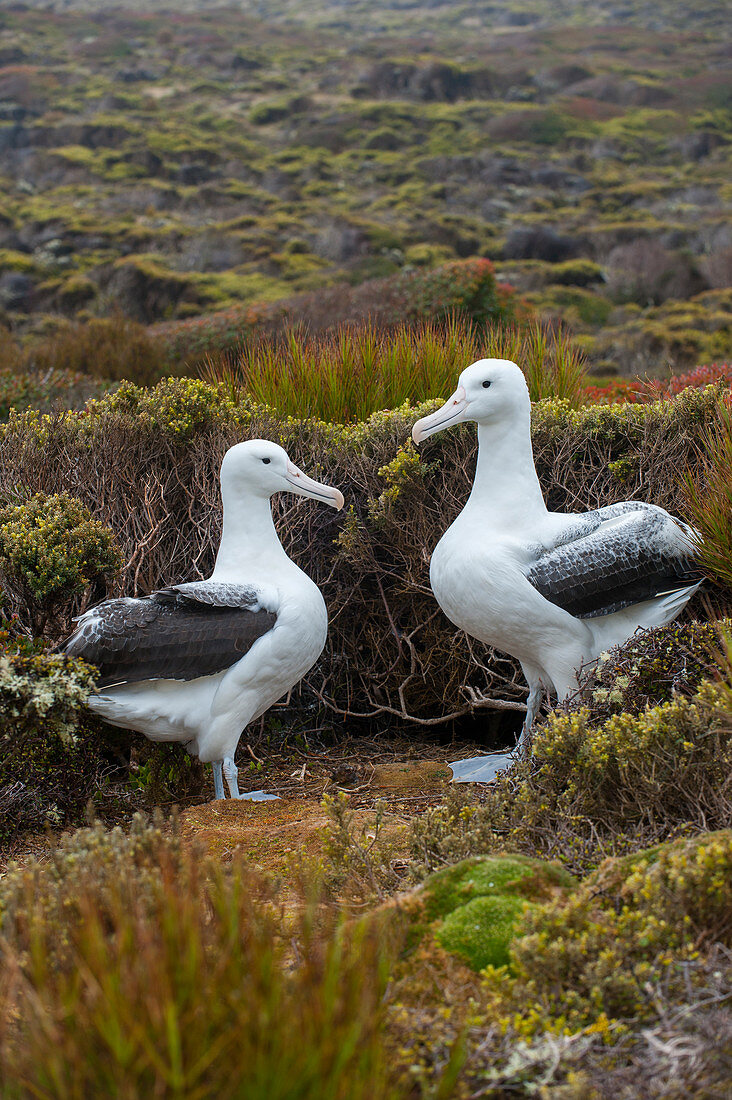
<point>51,547</point>
<point>595,955</point>
<point>403,469</point>
<point>590,790</point>
<point>159,973</point>
<point>178,407</point>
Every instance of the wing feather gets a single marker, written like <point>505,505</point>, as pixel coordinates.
<point>178,633</point>
<point>635,553</point>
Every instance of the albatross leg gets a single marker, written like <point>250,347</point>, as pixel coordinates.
<point>532,709</point>
<point>231,772</point>
<point>536,690</point>
<point>218,768</point>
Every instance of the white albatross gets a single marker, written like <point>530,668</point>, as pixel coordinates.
<point>197,662</point>
<point>554,590</point>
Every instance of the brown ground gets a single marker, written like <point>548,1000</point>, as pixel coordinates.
<point>404,775</point>
<point>271,834</point>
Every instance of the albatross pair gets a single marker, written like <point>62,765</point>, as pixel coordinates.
<point>197,662</point>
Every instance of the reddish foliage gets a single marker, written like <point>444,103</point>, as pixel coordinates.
<point>638,391</point>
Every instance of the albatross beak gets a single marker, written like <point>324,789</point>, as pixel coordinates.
<point>452,412</point>
<point>305,486</point>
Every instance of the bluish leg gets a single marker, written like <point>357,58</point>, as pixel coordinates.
<point>218,767</point>
<point>232,778</point>
<point>532,709</point>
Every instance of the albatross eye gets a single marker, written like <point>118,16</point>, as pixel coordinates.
<point>266,461</point>
<point>486,384</point>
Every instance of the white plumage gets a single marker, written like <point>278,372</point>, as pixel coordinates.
<point>197,662</point>
<point>554,590</point>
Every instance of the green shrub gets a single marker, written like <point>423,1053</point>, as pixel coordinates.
<point>48,759</point>
<point>590,791</point>
<point>180,408</point>
<point>577,272</point>
<point>51,549</point>
<point>594,956</point>
<point>161,974</point>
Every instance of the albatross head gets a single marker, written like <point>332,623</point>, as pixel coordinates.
<point>262,468</point>
<point>490,389</point>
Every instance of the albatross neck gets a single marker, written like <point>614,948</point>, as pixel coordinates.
<point>506,486</point>
<point>249,540</point>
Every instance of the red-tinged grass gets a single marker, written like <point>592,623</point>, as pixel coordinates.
<point>347,375</point>
<point>134,968</point>
<point>709,499</point>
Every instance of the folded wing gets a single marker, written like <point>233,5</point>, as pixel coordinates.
<point>631,552</point>
<point>179,633</point>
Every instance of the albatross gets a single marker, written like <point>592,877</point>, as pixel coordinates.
<point>197,662</point>
<point>552,589</point>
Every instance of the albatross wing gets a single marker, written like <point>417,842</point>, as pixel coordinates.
<point>178,633</point>
<point>617,556</point>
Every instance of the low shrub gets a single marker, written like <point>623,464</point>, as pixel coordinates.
<point>48,762</point>
<point>594,956</point>
<point>465,288</point>
<point>591,791</point>
<point>160,974</point>
<point>641,391</point>
<point>654,666</point>
<point>615,989</point>
<point>109,348</point>
<point>51,549</point>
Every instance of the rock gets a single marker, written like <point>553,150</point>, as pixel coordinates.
<point>193,174</point>
<point>698,145</point>
<point>16,291</point>
<point>540,243</point>
<point>14,136</point>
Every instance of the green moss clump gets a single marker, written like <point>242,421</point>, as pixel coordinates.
<point>473,906</point>
<point>481,931</point>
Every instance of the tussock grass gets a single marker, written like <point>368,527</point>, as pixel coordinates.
<point>346,375</point>
<point>134,967</point>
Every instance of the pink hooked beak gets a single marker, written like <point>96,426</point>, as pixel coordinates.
<point>452,412</point>
<point>306,486</point>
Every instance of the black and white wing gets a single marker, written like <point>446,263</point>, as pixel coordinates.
<point>614,557</point>
<point>178,633</point>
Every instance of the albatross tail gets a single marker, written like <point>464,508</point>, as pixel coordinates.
<point>612,630</point>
